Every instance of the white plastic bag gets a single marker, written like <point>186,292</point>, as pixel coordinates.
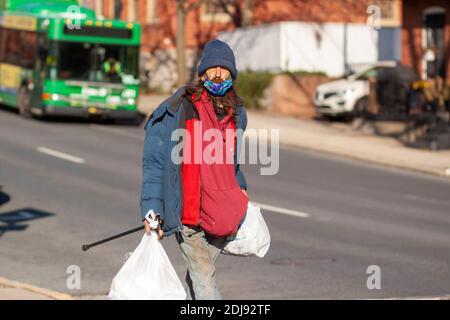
<point>147,274</point>
<point>252,238</point>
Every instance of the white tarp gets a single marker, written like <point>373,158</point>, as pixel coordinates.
<point>294,46</point>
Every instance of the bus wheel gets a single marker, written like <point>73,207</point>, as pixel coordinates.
<point>24,103</point>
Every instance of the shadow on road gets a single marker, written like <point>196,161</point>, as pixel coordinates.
<point>14,220</point>
<point>4,108</point>
<point>336,119</point>
<point>97,120</point>
<point>4,198</point>
<point>424,131</point>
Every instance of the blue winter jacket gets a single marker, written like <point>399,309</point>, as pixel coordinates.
<point>161,188</point>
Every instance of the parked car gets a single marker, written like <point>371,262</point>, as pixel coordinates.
<point>348,96</point>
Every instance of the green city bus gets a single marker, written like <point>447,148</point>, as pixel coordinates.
<point>57,58</point>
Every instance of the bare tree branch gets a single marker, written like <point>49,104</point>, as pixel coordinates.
<point>236,14</point>
<point>224,5</point>
<point>194,6</point>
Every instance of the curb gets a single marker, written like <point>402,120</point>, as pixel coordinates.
<point>28,287</point>
<point>442,172</point>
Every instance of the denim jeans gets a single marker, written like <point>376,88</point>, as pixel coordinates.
<point>200,251</point>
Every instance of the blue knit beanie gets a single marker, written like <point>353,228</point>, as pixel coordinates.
<point>217,54</point>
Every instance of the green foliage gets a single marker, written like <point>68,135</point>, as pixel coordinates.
<point>305,73</point>
<point>251,85</point>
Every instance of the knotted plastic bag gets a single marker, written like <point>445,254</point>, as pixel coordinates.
<point>147,274</point>
<point>252,238</point>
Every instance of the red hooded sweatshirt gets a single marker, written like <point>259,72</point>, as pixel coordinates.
<point>212,197</point>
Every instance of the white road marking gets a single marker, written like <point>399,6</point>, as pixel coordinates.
<point>118,131</point>
<point>60,155</point>
<point>288,212</point>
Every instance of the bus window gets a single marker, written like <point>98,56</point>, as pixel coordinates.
<point>132,58</point>
<point>19,48</point>
<point>11,46</point>
<point>28,50</point>
<point>75,61</point>
<point>112,69</point>
<point>93,62</point>
<point>125,57</point>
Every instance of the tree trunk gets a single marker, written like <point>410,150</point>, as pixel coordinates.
<point>181,46</point>
<point>247,13</point>
<point>117,9</point>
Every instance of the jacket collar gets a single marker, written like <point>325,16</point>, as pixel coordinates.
<point>171,106</point>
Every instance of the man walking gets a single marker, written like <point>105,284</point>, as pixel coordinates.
<point>201,202</point>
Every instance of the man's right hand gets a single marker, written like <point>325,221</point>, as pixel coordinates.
<point>149,229</point>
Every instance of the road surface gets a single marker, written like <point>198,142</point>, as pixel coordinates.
<point>69,183</point>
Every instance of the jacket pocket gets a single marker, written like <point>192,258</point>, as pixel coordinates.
<point>222,210</point>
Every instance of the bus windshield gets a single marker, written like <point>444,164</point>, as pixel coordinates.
<point>93,62</point>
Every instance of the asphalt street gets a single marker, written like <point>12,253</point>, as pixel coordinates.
<point>68,183</point>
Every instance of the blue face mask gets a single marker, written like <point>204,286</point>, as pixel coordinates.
<point>218,89</point>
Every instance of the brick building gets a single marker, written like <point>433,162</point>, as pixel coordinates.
<point>415,32</point>
<point>425,37</point>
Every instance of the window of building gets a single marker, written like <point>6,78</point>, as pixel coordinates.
<point>434,42</point>
<point>389,12</point>
<point>217,10</point>
<point>99,7</point>
<point>132,10</point>
<point>152,16</point>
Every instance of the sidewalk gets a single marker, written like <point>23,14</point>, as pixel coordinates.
<point>13,290</point>
<point>340,139</point>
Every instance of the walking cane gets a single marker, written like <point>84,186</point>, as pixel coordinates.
<point>158,231</point>
<point>86,247</point>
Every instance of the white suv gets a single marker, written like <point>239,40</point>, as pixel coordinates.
<point>348,95</point>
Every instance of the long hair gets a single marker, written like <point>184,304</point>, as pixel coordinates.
<point>230,100</point>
